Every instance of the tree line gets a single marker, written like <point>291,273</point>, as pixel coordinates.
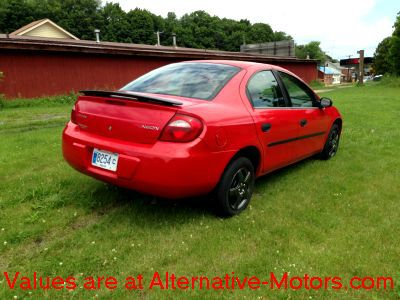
<point>80,17</point>
<point>387,54</point>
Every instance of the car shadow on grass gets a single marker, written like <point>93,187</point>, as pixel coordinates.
<point>278,174</point>
<point>131,204</point>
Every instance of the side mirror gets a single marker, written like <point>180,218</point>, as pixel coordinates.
<point>325,102</point>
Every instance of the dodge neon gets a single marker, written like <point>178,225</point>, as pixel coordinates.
<point>200,127</point>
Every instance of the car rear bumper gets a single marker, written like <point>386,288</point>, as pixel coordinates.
<point>164,169</point>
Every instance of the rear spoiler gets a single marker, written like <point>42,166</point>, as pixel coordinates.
<point>131,96</point>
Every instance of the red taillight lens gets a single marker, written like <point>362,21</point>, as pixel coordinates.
<point>182,128</point>
<point>73,115</point>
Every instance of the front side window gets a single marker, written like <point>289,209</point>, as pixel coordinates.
<point>192,80</point>
<point>300,95</point>
<point>263,90</point>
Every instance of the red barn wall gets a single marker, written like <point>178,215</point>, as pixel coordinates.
<point>35,74</point>
<point>307,72</point>
<point>41,73</point>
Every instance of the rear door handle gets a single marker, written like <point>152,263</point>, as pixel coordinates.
<point>265,127</point>
<point>303,122</point>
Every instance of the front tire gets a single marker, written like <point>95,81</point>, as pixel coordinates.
<point>332,143</point>
<point>235,189</point>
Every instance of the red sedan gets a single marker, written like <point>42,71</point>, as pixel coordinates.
<point>197,127</point>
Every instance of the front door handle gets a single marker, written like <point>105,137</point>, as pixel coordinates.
<point>265,127</point>
<point>303,122</point>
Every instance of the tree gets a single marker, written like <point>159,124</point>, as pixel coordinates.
<point>141,26</point>
<point>80,17</point>
<point>115,25</point>
<point>234,34</point>
<point>394,51</point>
<point>331,59</point>
<point>396,26</point>
<point>394,55</point>
<point>198,30</point>
<point>260,33</point>
<point>281,36</point>
<point>387,54</point>
<point>171,25</point>
<point>382,63</point>
<point>312,49</point>
<point>15,14</point>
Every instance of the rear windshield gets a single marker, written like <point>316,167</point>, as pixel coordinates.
<point>192,80</point>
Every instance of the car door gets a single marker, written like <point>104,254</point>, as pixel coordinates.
<point>312,121</point>
<point>273,119</point>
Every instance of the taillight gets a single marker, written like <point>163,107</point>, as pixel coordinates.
<point>73,115</point>
<point>182,128</point>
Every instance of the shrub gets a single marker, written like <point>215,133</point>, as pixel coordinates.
<point>315,84</point>
<point>390,81</point>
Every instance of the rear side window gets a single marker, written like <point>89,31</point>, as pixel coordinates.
<point>192,80</point>
<point>299,94</point>
<point>263,91</point>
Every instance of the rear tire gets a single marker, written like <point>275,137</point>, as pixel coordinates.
<point>332,143</point>
<point>235,189</point>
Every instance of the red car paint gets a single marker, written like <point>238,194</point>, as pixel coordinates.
<point>150,163</point>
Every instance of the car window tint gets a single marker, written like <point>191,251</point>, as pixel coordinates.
<point>192,80</point>
<point>263,90</point>
<point>299,95</point>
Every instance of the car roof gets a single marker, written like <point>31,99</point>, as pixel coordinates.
<point>238,63</point>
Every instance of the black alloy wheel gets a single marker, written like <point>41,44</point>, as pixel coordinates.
<point>236,187</point>
<point>332,143</point>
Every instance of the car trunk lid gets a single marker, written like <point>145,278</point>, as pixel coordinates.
<point>132,117</point>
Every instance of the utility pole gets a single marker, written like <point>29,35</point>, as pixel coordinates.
<point>348,70</point>
<point>361,67</point>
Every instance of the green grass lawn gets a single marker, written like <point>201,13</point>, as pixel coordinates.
<point>325,218</point>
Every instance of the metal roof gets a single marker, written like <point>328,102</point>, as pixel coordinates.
<point>85,46</point>
<point>329,71</point>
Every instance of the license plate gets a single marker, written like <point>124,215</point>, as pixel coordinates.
<point>104,159</point>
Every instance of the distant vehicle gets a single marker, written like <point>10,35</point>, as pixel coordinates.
<point>197,127</point>
<point>377,77</point>
<point>368,78</point>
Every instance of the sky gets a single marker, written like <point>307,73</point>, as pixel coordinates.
<point>342,26</point>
